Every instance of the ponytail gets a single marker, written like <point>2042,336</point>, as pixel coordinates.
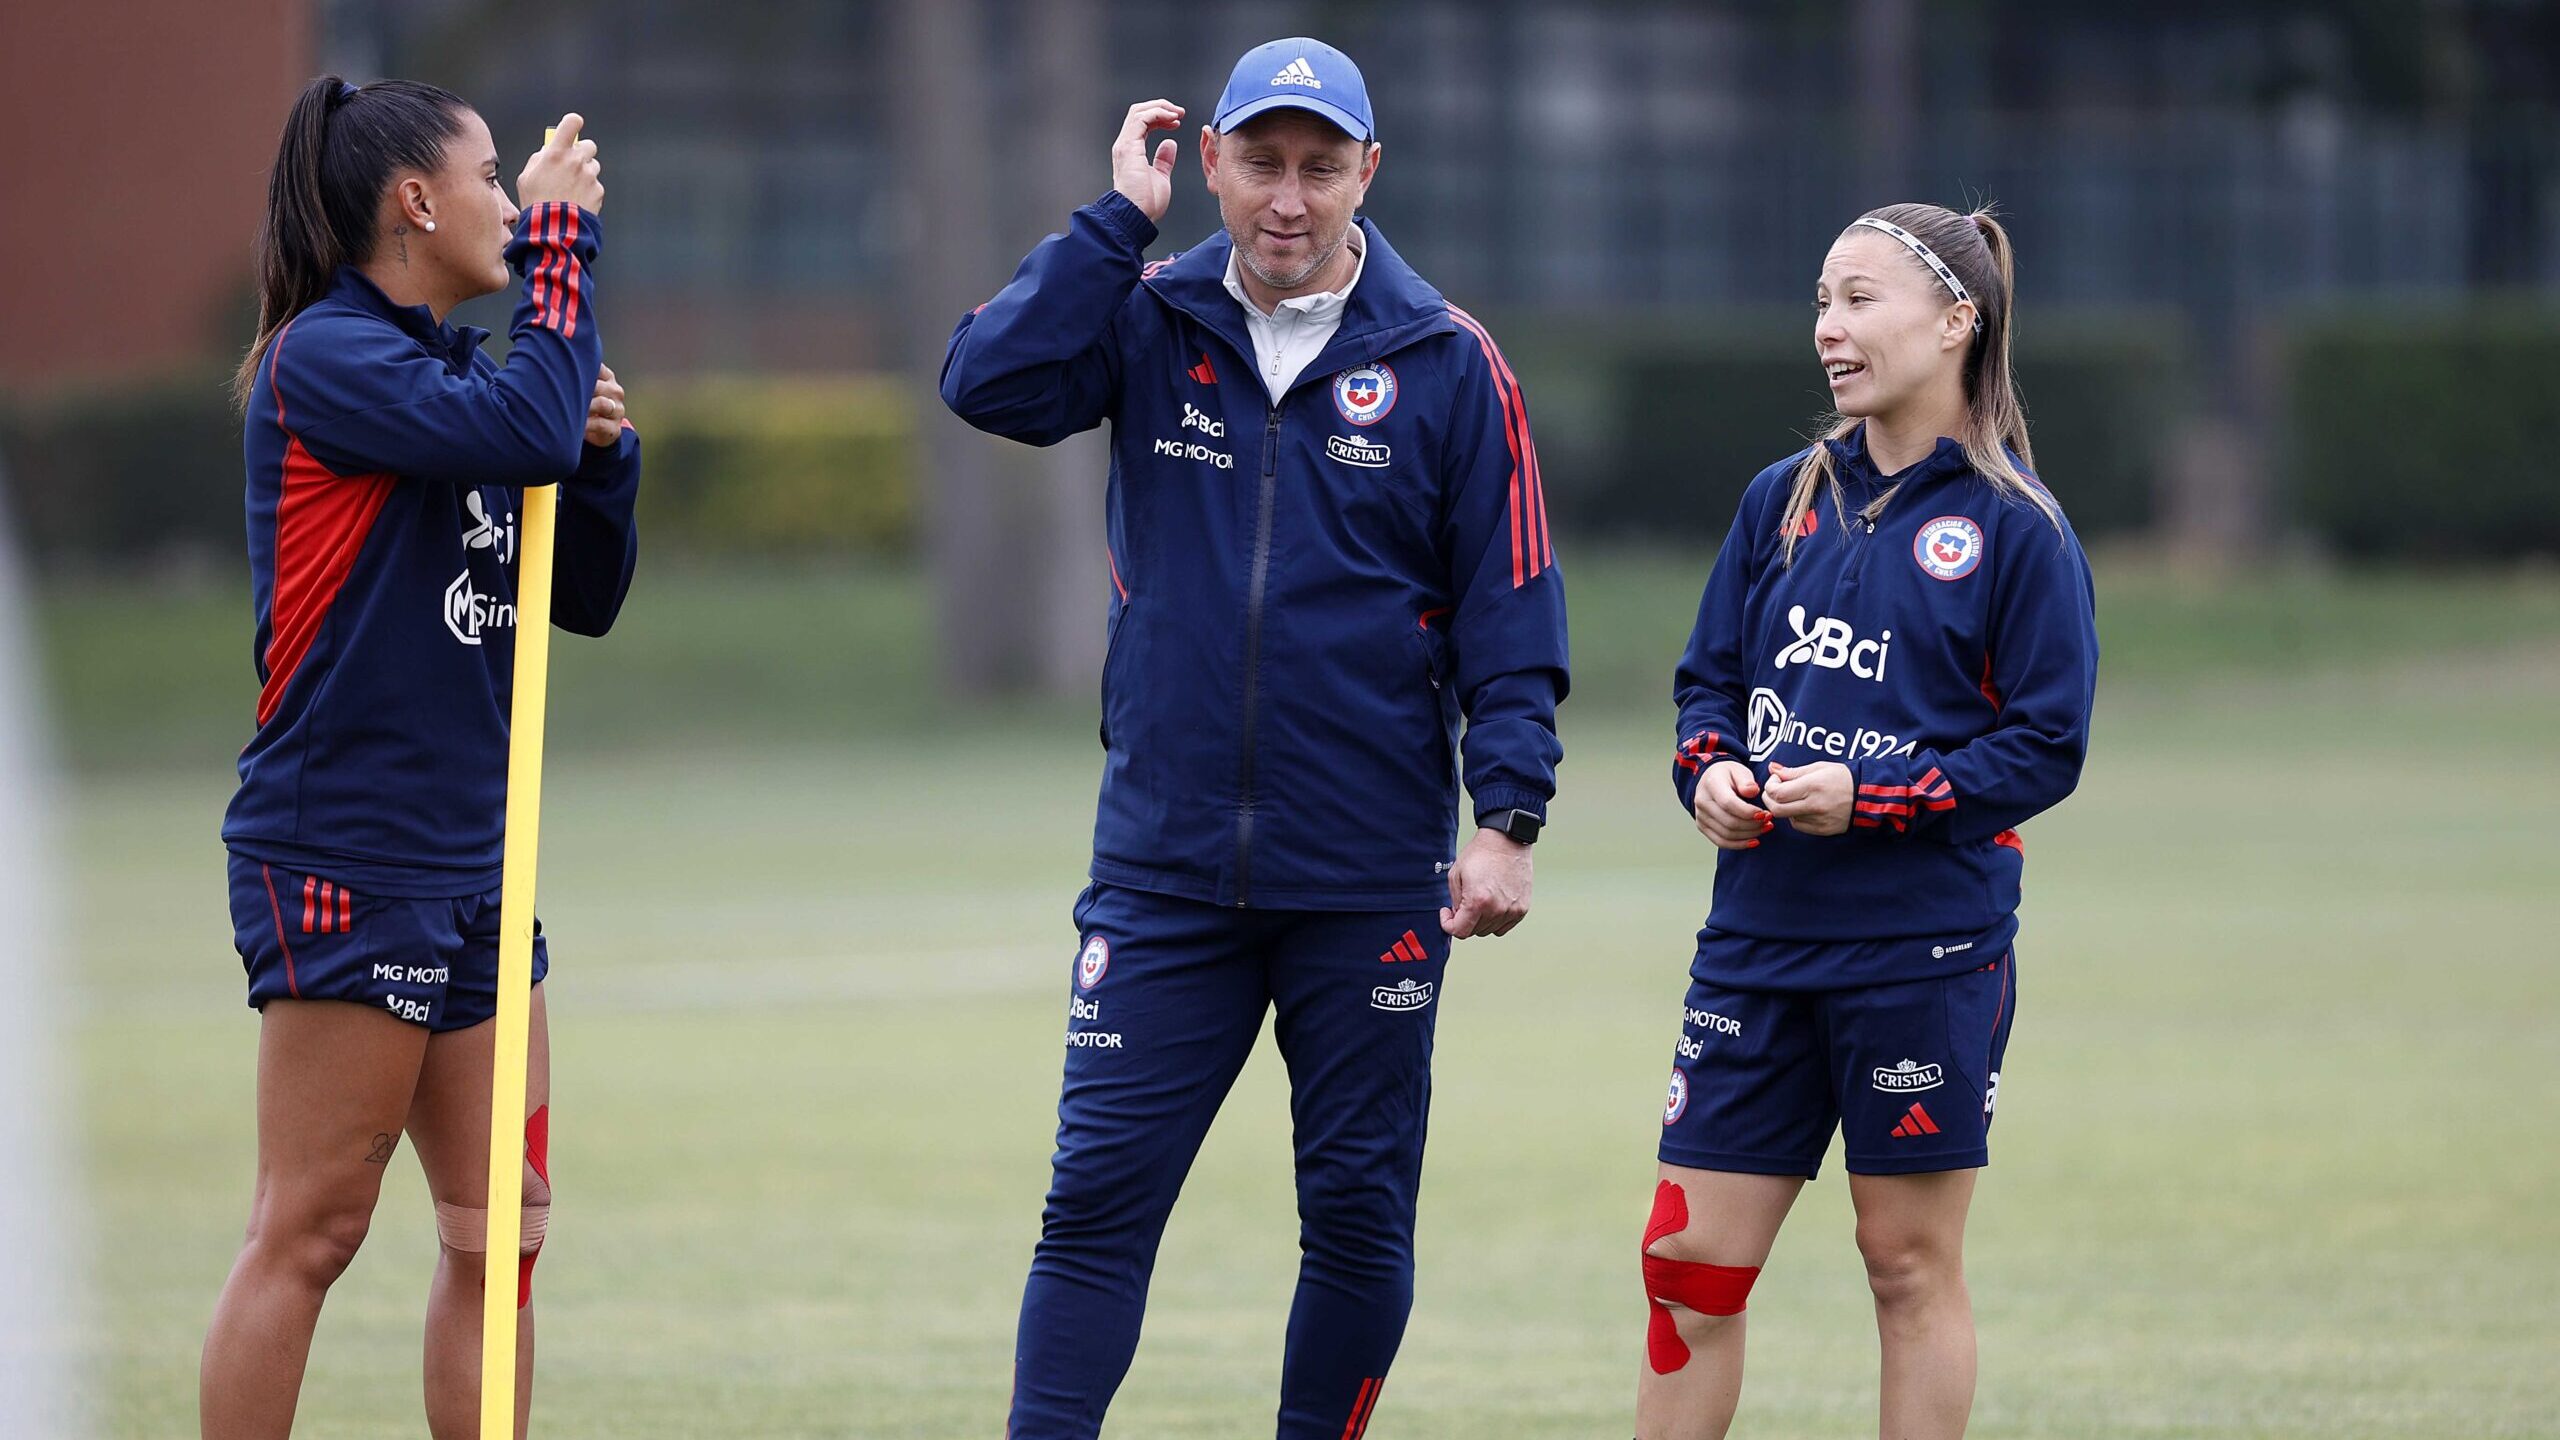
<point>1998,416</point>
<point>340,149</point>
<point>1977,248</point>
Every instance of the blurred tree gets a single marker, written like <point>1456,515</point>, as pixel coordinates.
<point>943,143</point>
<point>1070,133</point>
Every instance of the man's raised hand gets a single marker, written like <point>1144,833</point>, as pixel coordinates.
<point>1146,180</point>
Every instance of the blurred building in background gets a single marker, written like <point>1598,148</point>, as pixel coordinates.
<point>2282,265</point>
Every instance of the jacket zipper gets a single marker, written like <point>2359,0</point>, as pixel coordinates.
<point>1253,650</point>
<point>1861,539</point>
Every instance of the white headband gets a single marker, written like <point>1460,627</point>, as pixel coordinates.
<point>1929,258</point>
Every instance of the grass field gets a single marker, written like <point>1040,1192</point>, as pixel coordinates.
<point>2280,1142</point>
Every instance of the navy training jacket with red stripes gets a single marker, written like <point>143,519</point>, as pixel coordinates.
<point>1947,653</point>
<point>385,457</point>
<point>1307,597</point>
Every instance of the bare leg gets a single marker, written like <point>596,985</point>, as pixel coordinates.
<point>334,1081</point>
<point>1911,1231</point>
<point>450,1124</point>
<point>1733,1220</point>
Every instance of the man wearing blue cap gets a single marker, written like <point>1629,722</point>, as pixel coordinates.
<point>1328,547</point>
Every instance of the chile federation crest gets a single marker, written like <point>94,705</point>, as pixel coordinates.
<point>1365,395</point>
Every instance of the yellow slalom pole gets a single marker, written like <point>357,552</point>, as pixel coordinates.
<point>515,960</point>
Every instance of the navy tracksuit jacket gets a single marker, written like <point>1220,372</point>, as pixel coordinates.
<point>1307,599</point>
<point>1947,653</point>
<point>385,453</point>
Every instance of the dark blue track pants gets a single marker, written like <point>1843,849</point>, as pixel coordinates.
<point>1165,1001</point>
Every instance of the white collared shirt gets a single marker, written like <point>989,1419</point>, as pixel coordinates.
<point>1288,339</point>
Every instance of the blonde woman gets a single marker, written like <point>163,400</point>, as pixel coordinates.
<point>1892,669</point>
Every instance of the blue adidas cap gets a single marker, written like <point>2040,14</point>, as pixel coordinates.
<point>1298,74</point>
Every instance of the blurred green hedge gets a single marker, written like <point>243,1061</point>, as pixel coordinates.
<point>2391,412</point>
<point>777,465</point>
<point>1650,427</point>
<point>137,473</point>
<point>774,465</point>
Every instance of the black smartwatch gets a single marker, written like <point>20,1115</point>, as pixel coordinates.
<point>1521,825</point>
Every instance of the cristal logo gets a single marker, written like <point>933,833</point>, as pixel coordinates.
<point>1832,645</point>
<point>1910,1075</point>
<point>1410,995</point>
<point>467,612</point>
<point>1195,418</point>
<point>1356,452</point>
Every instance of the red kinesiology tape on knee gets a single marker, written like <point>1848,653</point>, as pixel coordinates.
<point>537,1153</point>
<point>1707,1289</point>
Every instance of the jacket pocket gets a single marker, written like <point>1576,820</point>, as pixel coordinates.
<point>1431,640</point>
<point>1436,659</point>
<point>1114,652</point>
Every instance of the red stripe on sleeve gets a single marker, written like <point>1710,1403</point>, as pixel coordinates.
<point>545,283</point>
<point>551,266</point>
<point>535,281</point>
<point>1515,435</point>
<point>573,272</point>
<point>1541,544</point>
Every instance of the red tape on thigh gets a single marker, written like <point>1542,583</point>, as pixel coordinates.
<point>537,1153</point>
<point>1707,1289</point>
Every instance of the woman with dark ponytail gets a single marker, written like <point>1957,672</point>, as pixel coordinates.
<point>1892,669</point>
<point>385,457</point>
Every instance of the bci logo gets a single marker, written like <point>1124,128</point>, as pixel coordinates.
<point>1832,645</point>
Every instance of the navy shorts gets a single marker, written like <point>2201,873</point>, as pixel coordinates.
<point>1908,1072</point>
<point>430,962</point>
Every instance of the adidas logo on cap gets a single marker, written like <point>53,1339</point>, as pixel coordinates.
<point>1298,72</point>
